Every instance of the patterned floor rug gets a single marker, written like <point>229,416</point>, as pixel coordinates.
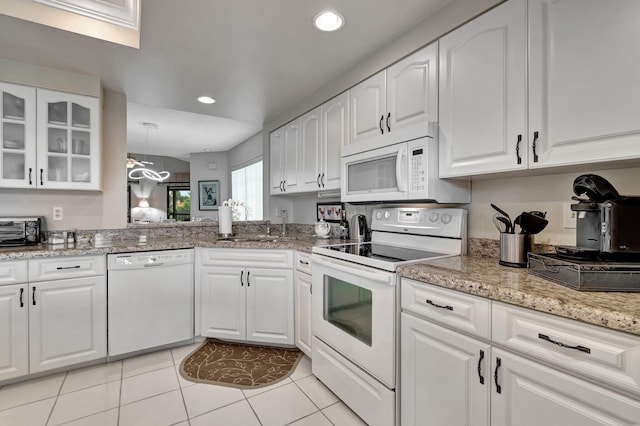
<point>238,365</point>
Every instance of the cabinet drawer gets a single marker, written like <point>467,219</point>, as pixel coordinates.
<point>247,258</point>
<point>303,262</point>
<point>13,272</point>
<point>66,267</point>
<point>463,312</point>
<point>608,356</point>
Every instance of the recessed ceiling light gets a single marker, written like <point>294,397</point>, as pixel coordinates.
<point>328,21</point>
<point>206,99</point>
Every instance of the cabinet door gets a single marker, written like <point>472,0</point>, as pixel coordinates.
<point>17,136</point>
<point>368,109</point>
<point>303,311</point>
<point>310,151</point>
<point>270,306</point>
<point>482,94</point>
<point>290,154</point>
<point>68,141</point>
<point>67,322</point>
<point>276,160</point>
<point>412,95</point>
<point>335,133</point>
<point>223,302</point>
<point>445,376</point>
<point>14,344</point>
<point>583,84</point>
<point>533,394</point>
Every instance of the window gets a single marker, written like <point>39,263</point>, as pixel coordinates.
<point>246,187</point>
<point>179,202</point>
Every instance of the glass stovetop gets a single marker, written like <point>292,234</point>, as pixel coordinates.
<point>382,252</point>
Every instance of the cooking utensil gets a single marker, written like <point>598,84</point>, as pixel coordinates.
<point>503,213</point>
<point>516,221</point>
<point>501,223</point>
<point>532,224</point>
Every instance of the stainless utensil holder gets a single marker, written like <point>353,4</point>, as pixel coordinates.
<point>514,249</point>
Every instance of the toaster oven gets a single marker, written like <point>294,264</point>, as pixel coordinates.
<point>22,231</point>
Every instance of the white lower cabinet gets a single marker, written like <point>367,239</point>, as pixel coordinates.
<point>247,303</point>
<point>54,322</point>
<point>445,376</point>
<point>302,303</point>
<point>67,322</point>
<point>14,337</point>
<point>456,376</point>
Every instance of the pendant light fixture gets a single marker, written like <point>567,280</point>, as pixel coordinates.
<point>141,171</point>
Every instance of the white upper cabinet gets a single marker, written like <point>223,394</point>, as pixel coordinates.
<point>310,150</point>
<point>284,148</point>
<point>68,141</point>
<point>584,84</point>
<point>18,136</point>
<point>395,105</point>
<point>482,94</point>
<point>575,103</point>
<point>335,133</point>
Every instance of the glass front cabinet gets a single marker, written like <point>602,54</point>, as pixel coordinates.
<point>18,136</point>
<point>68,135</point>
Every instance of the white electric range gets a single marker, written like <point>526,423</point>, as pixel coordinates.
<point>355,314</point>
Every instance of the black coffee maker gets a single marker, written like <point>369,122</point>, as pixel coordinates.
<point>606,222</point>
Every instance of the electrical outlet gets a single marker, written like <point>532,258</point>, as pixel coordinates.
<point>57,213</point>
<point>569,217</point>
<point>278,212</point>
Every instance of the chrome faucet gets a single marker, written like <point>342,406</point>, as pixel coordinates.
<point>284,222</point>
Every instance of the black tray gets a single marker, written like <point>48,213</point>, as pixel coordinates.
<point>586,275</point>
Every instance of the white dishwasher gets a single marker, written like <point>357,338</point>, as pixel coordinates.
<point>150,300</point>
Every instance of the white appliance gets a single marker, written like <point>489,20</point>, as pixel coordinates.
<point>355,297</point>
<point>150,298</point>
<point>400,172</point>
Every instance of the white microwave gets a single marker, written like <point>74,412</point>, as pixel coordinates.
<point>401,172</point>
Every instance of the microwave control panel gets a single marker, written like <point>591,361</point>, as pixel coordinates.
<point>417,169</point>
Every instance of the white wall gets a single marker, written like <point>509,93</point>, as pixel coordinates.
<point>245,153</point>
<point>200,171</point>
<point>85,209</point>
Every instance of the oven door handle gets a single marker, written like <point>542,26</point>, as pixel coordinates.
<point>379,277</point>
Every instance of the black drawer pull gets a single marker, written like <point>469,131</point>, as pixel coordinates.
<point>21,300</point>
<point>380,125</point>
<point>248,283</point>
<point>33,296</point>
<point>60,268</point>
<point>435,305</point>
<point>30,180</point>
<point>534,146</point>
<point>518,149</point>
<point>480,377</point>
<point>388,123</point>
<point>495,375</point>
<point>303,262</point>
<point>241,275</point>
<point>564,345</point>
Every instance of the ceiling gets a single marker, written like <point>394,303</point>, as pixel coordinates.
<point>256,58</point>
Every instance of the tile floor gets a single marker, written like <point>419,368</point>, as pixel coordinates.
<point>147,390</point>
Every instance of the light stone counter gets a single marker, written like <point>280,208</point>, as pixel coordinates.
<point>483,277</point>
<point>301,242</point>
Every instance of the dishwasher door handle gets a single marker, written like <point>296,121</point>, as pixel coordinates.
<point>151,265</point>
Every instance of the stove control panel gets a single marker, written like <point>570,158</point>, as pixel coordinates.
<point>438,222</point>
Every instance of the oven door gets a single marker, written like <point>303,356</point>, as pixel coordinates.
<point>354,313</point>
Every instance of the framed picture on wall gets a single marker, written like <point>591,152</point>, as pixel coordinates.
<point>329,212</point>
<point>208,194</point>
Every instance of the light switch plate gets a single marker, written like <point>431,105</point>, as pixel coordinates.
<point>57,213</point>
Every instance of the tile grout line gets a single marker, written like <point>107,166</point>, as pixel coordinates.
<point>120,390</point>
<point>57,396</point>
<point>313,402</point>
<point>184,401</point>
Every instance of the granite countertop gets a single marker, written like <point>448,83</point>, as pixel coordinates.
<point>483,277</point>
<point>295,242</point>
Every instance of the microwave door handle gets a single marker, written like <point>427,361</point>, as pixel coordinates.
<point>400,168</point>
